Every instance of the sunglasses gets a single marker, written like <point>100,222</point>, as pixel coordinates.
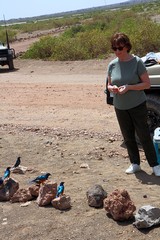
<point>118,48</point>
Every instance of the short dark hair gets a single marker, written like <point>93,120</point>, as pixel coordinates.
<point>121,39</point>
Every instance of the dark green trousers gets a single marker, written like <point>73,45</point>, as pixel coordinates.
<point>135,120</point>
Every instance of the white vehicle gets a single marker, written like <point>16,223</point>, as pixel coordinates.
<point>7,54</point>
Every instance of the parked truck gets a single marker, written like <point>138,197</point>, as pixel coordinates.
<point>7,54</point>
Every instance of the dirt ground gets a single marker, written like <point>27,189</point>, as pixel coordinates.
<point>54,115</point>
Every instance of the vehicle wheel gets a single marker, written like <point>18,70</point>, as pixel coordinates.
<point>10,64</point>
<point>153,107</point>
<point>153,118</point>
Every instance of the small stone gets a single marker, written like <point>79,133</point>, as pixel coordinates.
<point>145,196</point>
<point>111,139</point>
<point>4,223</point>
<point>84,165</point>
<point>76,172</point>
<point>25,204</point>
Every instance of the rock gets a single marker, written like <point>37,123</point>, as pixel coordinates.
<point>19,170</point>
<point>147,216</point>
<point>9,188</point>
<point>62,203</point>
<point>47,192</point>
<point>34,190</point>
<point>22,195</point>
<point>95,196</point>
<point>84,165</point>
<point>26,204</point>
<point>119,205</point>
<point>22,170</point>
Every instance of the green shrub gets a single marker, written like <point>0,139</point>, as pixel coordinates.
<point>146,38</point>
<point>91,38</point>
<point>70,49</point>
<point>42,49</point>
<point>11,35</point>
<point>71,32</point>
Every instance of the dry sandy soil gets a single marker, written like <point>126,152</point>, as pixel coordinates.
<point>54,115</point>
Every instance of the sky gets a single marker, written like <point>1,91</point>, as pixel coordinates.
<point>30,8</point>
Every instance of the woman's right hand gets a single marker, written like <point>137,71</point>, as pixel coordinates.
<point>113,89</point>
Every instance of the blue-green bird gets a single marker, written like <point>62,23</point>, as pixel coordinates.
<point>41,179</point>
<point>60,189</point>
<point>6,173</point>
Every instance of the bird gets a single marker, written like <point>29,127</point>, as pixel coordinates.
<point>60,189</point>
<point>6,173</point>
<point>17,163</point>
<point>40,179</point>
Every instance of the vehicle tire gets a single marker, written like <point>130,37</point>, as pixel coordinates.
<point>153,118</point>
<point>153,107</point>
<point>10,64</point>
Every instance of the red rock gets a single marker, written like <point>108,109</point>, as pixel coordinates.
<point>22,195</point>
<point>47,192</point>
<point>62,203</point>
<point>34,190</point>
<point>119,205</point>
<point>8,189</point>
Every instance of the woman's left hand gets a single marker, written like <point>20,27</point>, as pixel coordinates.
<point>123,89</point>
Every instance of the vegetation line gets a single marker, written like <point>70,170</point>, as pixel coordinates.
<point>87,36</point>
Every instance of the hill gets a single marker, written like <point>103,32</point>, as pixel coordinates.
<point>80,11</point>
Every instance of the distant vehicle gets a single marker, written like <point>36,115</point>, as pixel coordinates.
<point>7,54</point>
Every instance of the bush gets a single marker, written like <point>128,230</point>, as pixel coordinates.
<point>147,38</point>
<point>70,49</point>
<point>11,35</point>
<point>42,49</point>
<point>91,38</point>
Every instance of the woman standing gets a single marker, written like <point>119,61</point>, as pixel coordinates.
<point>127,79</point>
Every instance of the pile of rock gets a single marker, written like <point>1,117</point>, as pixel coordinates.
<point>121,208</point>
<point>44,194</point>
